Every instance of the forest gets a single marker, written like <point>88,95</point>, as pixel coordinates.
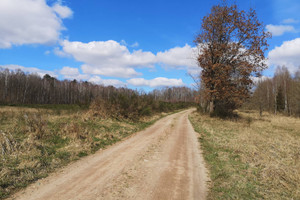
<point>20,88</point>
<point>280,94</point>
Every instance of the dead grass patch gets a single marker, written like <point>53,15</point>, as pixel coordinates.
<point>253,157</point>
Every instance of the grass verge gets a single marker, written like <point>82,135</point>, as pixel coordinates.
<point>252,157</point>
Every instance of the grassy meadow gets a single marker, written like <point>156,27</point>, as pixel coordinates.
<point>251,157</point>
<point>35,140</point>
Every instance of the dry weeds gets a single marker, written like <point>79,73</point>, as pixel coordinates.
<point>253,157</point>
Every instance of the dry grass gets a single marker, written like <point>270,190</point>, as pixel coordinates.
<point>252,157</point>
<point>33,142</point>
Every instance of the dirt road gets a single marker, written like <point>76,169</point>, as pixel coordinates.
<point>161,162</point>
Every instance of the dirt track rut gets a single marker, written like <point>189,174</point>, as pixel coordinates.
<point>162,162</point>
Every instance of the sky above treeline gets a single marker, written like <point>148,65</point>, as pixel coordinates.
<point>133,43</point>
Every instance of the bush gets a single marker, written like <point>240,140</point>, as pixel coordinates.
<point>131,105</point>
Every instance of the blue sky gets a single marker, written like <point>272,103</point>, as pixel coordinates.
<point>140,44</point>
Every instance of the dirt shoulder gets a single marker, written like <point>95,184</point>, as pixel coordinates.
<point>162,162</point>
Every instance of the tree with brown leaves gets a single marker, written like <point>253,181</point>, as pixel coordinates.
<point>232,45</point>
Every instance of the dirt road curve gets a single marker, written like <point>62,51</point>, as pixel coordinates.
<point>161,162</point>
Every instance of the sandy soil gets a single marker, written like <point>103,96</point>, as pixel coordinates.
<point>162,162</point>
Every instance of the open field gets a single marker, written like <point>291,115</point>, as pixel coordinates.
<point>251,157</point>
<point>36,140</point>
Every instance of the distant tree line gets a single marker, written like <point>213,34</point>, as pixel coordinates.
<point>281,94</point>
<point>174,94</point>
<point>17,87</point>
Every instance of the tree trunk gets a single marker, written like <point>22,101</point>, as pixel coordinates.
<point>211,107</point>
<point>275,99</point>
<point>285,98</point>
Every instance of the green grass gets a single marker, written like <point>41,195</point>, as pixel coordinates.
<point>57,141</point>
<point>82,154</point>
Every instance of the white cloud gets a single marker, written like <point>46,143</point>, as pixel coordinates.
<point>157,82</point>
<point>178,57</point>
<point>62,11</point>
<point>57,51</point>
<point>278,30</point>
<point>256,80</point>
<point>113,59</point>
<point>69,71</point>
<point>194,70</point>
<point>30,22</point>
<point>134,45</point>
<point>290,21</point>
<point>34,70</point>
<point>107,82</point>
<point>73,73</point>
<point>287,54</point>
<point>124,43</point>
<point>113,72</point>
<point>108,58</point>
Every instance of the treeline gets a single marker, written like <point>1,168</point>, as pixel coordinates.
<point>174,94</point>
<point>17,87</point>
<point>281,94</point>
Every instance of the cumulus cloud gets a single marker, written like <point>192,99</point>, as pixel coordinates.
<point>62,11</point>
<point>57,51</point>
<point>157,82</point>
<point>69,71</point>
<point>33,70</point>
<point>287,54</point>
<point>121,72</point>
<point>107,82</point>
<point>30,22</point>
<point>73,73</point>
<point>178,57</point>
<point>108,58</point>
<point>278,30</point>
